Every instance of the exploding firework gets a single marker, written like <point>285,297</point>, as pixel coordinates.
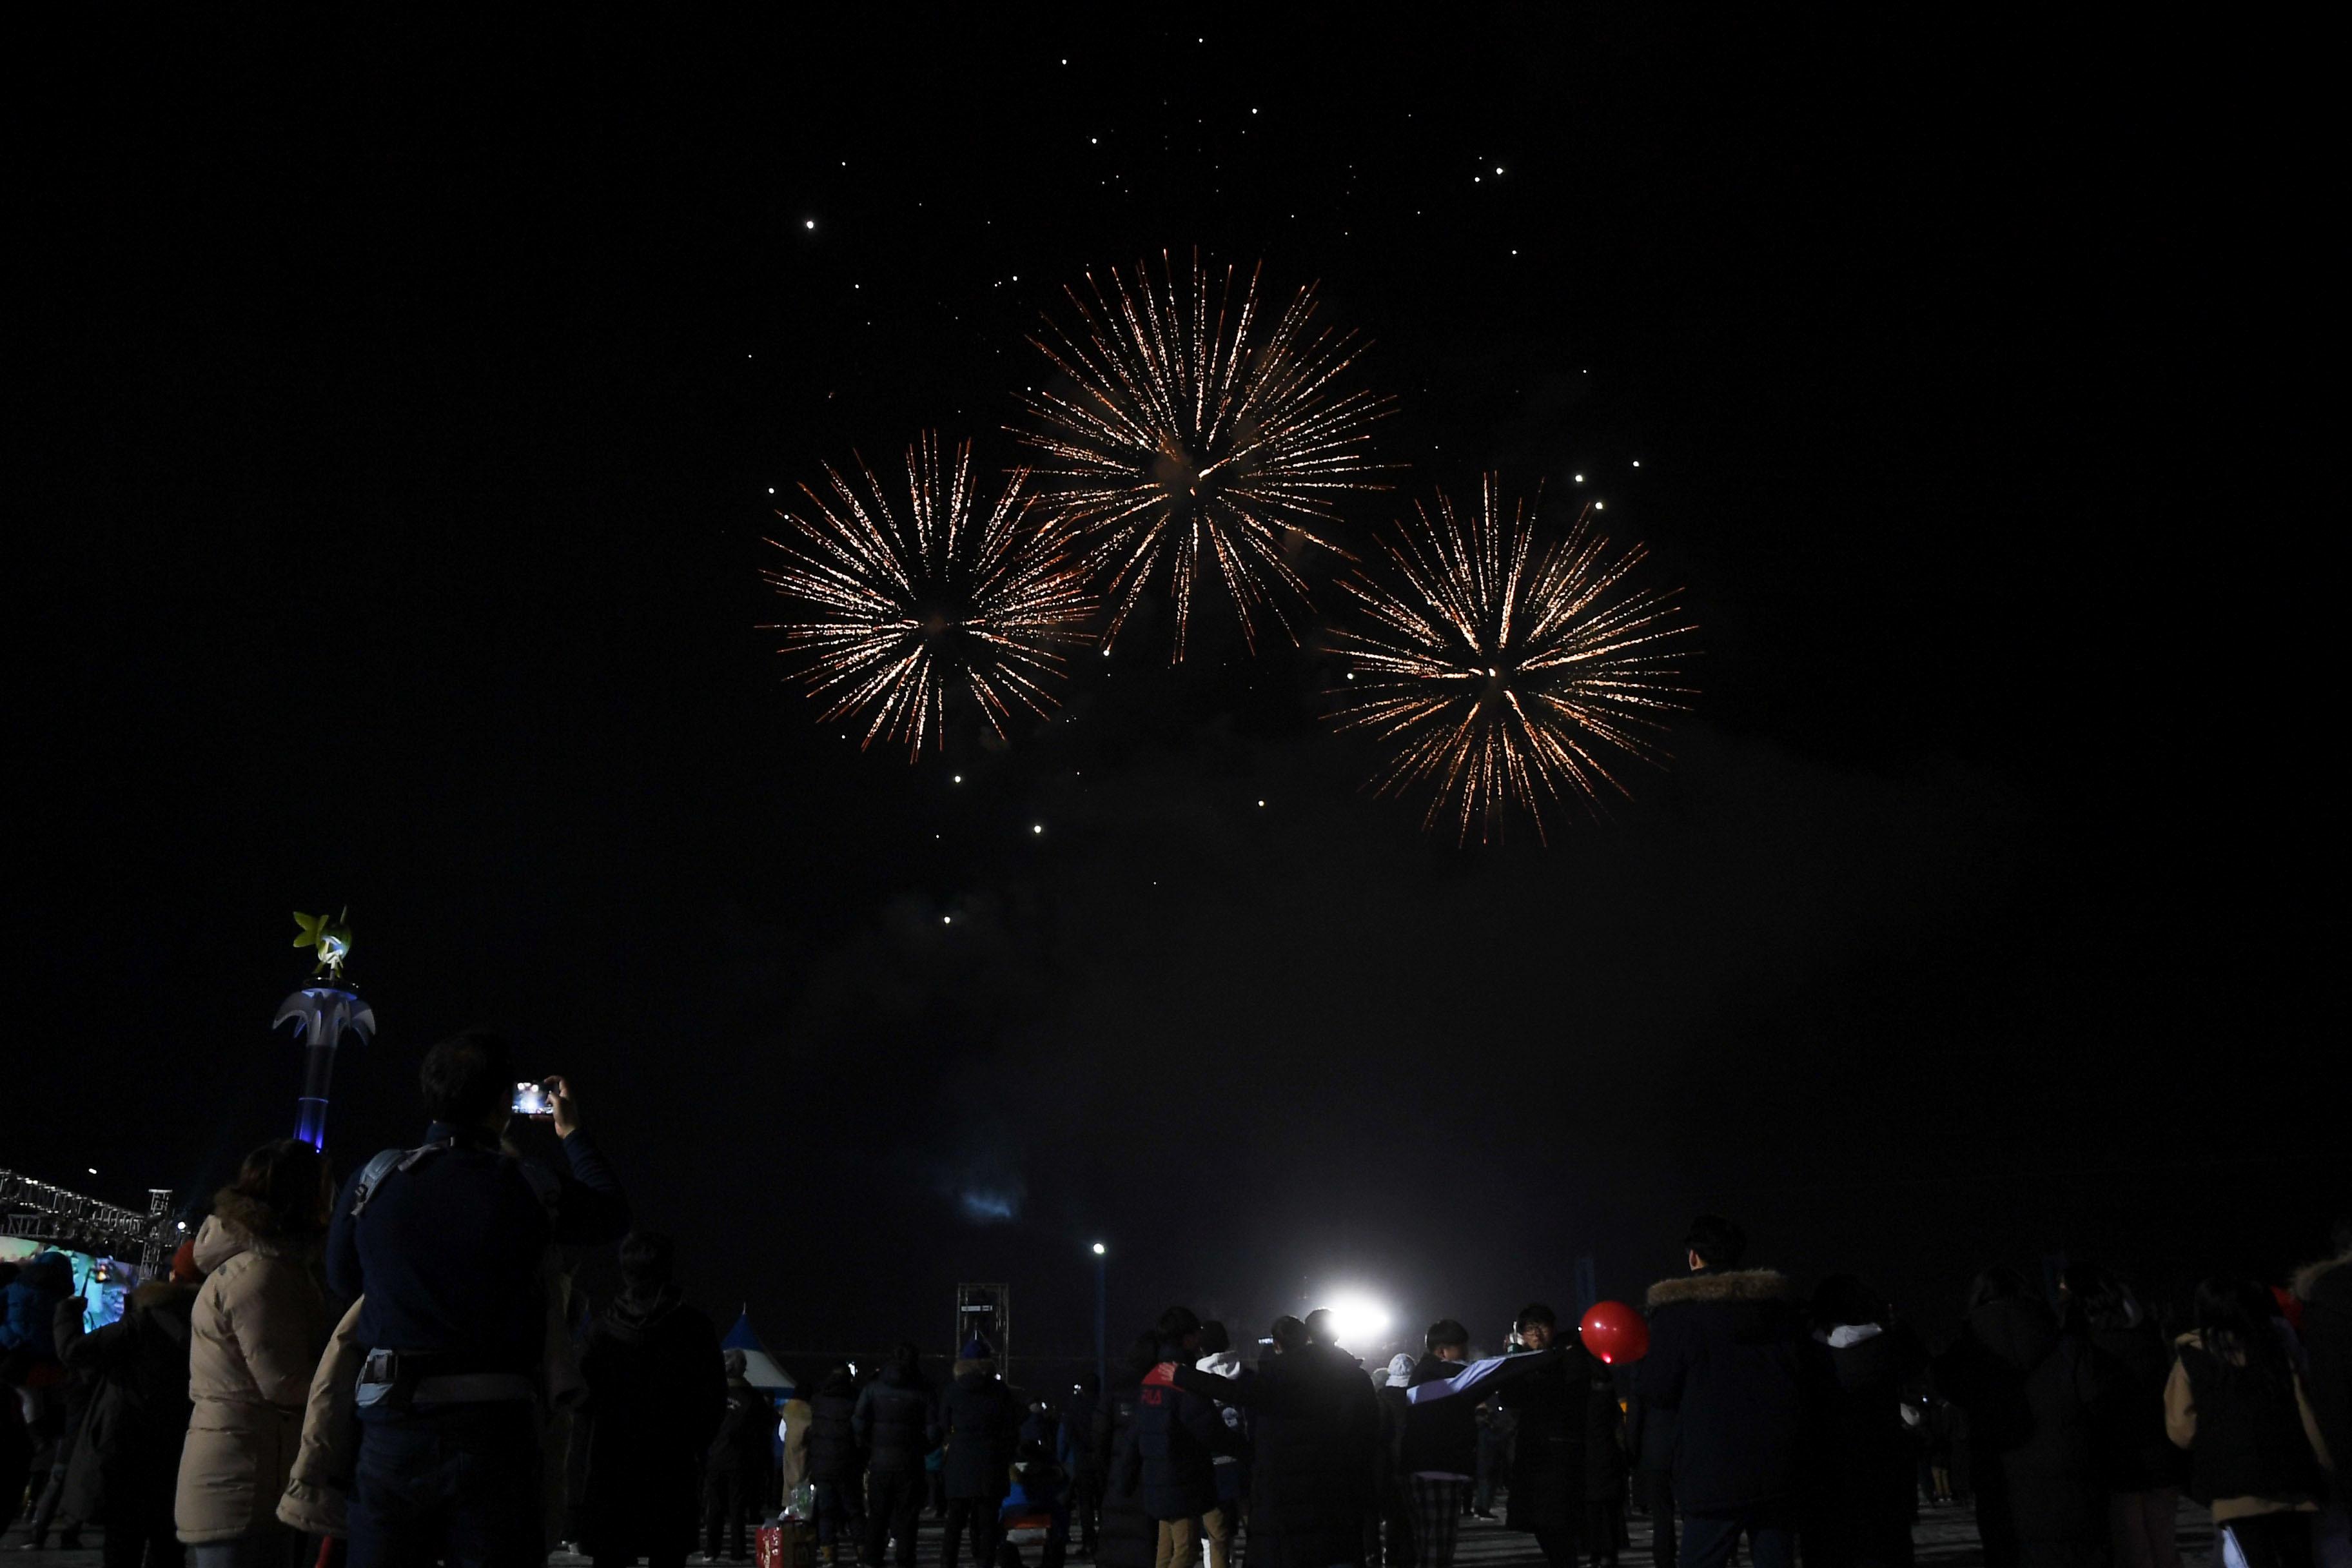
<point>1185,433</point>
<point>894,617</point>
<point>1501,668</point>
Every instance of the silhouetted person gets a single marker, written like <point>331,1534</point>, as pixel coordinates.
<point>895,1423</point>
<point>735,1475</point>
<point>128,1464</point>
<point>2139,1466</point>
<point>1866,1490</point>
<point>1314,1426</point>
<point>1170,1457</point>
<point>836,1466</point>
<point>443,1245</point>
<point>1074,1450</point>
<point>982,1420</point>
<point>2031,1393</point>
<point>2237,1403</point>
<point>657,1395</point>
<point>1728,1355</point>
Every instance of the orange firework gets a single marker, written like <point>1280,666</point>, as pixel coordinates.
<point>1184,430</point>
<point>1501,667</point>
<point>894,615</point>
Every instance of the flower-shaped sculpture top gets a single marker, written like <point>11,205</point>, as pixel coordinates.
<point>331,939</point>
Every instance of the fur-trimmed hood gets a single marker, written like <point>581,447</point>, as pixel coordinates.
<point>1723,1285</point>
<point>2307,1278</point>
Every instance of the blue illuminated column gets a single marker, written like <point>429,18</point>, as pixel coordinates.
<point>321,1015</point>
<point>1102,1318</point>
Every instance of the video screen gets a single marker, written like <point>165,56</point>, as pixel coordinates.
<point>104,1283</point>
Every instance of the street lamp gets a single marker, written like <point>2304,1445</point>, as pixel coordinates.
<point>1102,1320</point>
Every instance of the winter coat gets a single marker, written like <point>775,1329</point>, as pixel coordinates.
<point>1731,1356</point>
<point>1547,1455</point>
<point>1171,1448</point>
<point>1075,1448</point>
<point>657,1393</point>
<point>1128,1537</point>
<point>317,1500</point>
<point>2030,1394</point>
<point>260,1323</point>
<point>31,1301</point>
<point>2135,1455</point>
<point>832,1452</point>
<point>793,1423</point>
<point>894,1422</point>
<point>1315,1426</point>
<point>982,1418</point>
<point>1441,1436</point>
<point>1862,1499</point>
<point>741,1445</point>
<point>130,1439</point>
<point>2325,1292</point>
<point>2254,1444</point>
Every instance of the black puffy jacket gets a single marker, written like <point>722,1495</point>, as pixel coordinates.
<point>1130,1539</point>
<point>894,1422</point>
<point>833,1451</point>
<point>1730,1354</point>
<point>982,1420</point>
<point>1862,1498</point>
<point>1440,1434</point>
<point>1314,1425</point>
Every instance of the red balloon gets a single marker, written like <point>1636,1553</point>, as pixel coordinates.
<point>1614,1331</point>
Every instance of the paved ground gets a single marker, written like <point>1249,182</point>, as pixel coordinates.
<point>1946,1538</point>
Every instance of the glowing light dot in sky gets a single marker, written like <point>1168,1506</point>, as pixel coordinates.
<point>1037,828</point>
<point>809,224</point>
<point>1099,1249</point>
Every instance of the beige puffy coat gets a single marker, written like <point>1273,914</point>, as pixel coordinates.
<point>260,1323</point>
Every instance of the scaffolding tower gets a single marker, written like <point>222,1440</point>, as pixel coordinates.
<point>985,1311</point>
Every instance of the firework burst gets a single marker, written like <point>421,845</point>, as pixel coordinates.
<point>1502,670</point>
<point>893,616</point>
<point>1187,434</point>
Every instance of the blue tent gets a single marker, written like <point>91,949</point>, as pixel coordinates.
<point>759,1368</point>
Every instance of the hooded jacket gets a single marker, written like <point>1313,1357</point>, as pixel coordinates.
<point>982,1422</point>
<point>2032,1395</point>
<point>657,1393</point>
<point>1862,1499</point>
<point>258,1325</point>
<point>2325,1292</point>
<point>894,1422</point>
<point>130,1439</point>
<point>1731,1357</point>
<point>833,1453</point>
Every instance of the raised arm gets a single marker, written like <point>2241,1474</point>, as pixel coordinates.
<point>1478,1374</point>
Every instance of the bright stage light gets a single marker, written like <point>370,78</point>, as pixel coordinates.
<point>1358,1320</point>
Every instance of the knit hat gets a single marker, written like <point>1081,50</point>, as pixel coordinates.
<point>183,1264</point>
<point>1401,1370</point>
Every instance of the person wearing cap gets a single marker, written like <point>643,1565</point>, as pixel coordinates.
<point>1732,1357</point>
<point>983,1418</point>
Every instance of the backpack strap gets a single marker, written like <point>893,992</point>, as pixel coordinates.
<point>372,1174</point>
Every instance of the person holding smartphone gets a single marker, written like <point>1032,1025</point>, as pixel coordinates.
<point>444,1243</point>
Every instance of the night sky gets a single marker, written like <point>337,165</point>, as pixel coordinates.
<point>403,406</point>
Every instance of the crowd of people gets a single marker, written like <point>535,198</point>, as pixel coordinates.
<point>404,1369</point>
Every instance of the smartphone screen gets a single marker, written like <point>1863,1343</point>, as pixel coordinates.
<point>532,1099</point>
